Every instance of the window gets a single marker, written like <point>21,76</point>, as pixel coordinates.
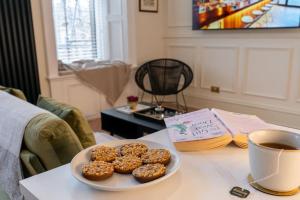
<point>290,2</point>
<point>80,29</point>
<point>294,3</point>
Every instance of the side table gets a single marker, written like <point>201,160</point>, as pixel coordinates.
<point>127,125</point>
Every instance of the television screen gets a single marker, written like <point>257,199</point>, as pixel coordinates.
<point>245,14</point>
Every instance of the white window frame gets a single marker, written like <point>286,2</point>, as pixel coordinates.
<point>98,17</point>
<point>125,19</point>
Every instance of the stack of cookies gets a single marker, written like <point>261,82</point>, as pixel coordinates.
<point>134,158</point>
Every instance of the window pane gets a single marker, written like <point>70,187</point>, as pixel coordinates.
<point>76,32</point>
<point>283,2</point>
<point>294,2</point>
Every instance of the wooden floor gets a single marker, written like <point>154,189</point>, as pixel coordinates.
<point>95,124</point>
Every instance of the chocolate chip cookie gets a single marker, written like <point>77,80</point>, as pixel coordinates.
<point>126,164</point>
<point>135,149</point>
<point>97,170</point>
<point>149,172</point>
<point>104,153</point>
<point>153,156</point>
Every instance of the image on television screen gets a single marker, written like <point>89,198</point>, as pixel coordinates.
<point>245,14</point>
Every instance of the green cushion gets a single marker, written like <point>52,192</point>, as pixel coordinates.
<point>15,92</point>
<point>31,163</point>
<point>73,117</point>
<point>52,140</point>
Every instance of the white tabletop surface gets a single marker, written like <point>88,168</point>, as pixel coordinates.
<point>205,175</point>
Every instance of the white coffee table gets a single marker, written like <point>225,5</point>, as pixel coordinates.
<point>205,175</point>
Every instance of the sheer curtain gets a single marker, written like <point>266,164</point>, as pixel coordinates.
<point>81,29</point>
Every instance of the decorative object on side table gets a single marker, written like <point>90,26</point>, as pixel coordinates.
<point>132,102</point>
<point>148,6</point>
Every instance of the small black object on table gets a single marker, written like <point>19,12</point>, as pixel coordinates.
<point>128,125</point>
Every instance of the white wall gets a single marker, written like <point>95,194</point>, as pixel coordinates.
<point>40,46</point>
<point>258,71</point>
<point>150,31</point>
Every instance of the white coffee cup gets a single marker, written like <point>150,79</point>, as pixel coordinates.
<point>275,169</point>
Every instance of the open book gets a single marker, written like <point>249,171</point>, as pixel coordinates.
<point>208,129</point>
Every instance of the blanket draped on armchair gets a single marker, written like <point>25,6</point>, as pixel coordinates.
<point>108,78</point>
<point>15,115</point>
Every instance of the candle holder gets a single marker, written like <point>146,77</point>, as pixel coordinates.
<point>132,102</point>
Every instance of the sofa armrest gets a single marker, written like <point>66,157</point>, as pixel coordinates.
<point>32,163</point>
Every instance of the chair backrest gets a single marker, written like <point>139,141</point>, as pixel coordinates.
<point>165,76</point>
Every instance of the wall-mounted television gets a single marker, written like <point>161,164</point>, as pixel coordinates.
<point>245,14</point>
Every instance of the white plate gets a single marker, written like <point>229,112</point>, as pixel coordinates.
<point>257,12</point>
<point>247,19</point>
<point>265,8</point>
<point>269,5</point>
<point>120,182</point>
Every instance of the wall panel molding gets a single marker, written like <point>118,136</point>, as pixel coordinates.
<point>220,67</point>
<point>267,72</point>
<point>243,102</point>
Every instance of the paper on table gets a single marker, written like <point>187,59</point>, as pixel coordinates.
<point>127,110</point>
<point>238,123</point>
<point>196,125</point>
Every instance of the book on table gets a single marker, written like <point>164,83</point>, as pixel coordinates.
<point>212,128</point>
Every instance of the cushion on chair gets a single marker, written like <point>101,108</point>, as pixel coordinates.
<point>15,92</point>
<point>72,116</point>
<point>52,140</point>
<point>31,163</point>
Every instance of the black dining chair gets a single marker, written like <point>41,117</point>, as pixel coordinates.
<point>164,77</point>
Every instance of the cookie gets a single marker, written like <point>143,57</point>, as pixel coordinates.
<point>136,149</point>
<point>97,170</point>
<point>149,172</point>
<point>118,148</point>
<point>126,164</point>
<point>153,156</point>
<point>103,153</point>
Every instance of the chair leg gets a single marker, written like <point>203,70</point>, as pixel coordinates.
<point>157,102</point>
<point>142,97</point>
<point>186,108</point>
<point>177,103</point>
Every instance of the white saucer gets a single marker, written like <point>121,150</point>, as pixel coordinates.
<point>265,8</point>
<point>257,12</point>
<point>247,19</point>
